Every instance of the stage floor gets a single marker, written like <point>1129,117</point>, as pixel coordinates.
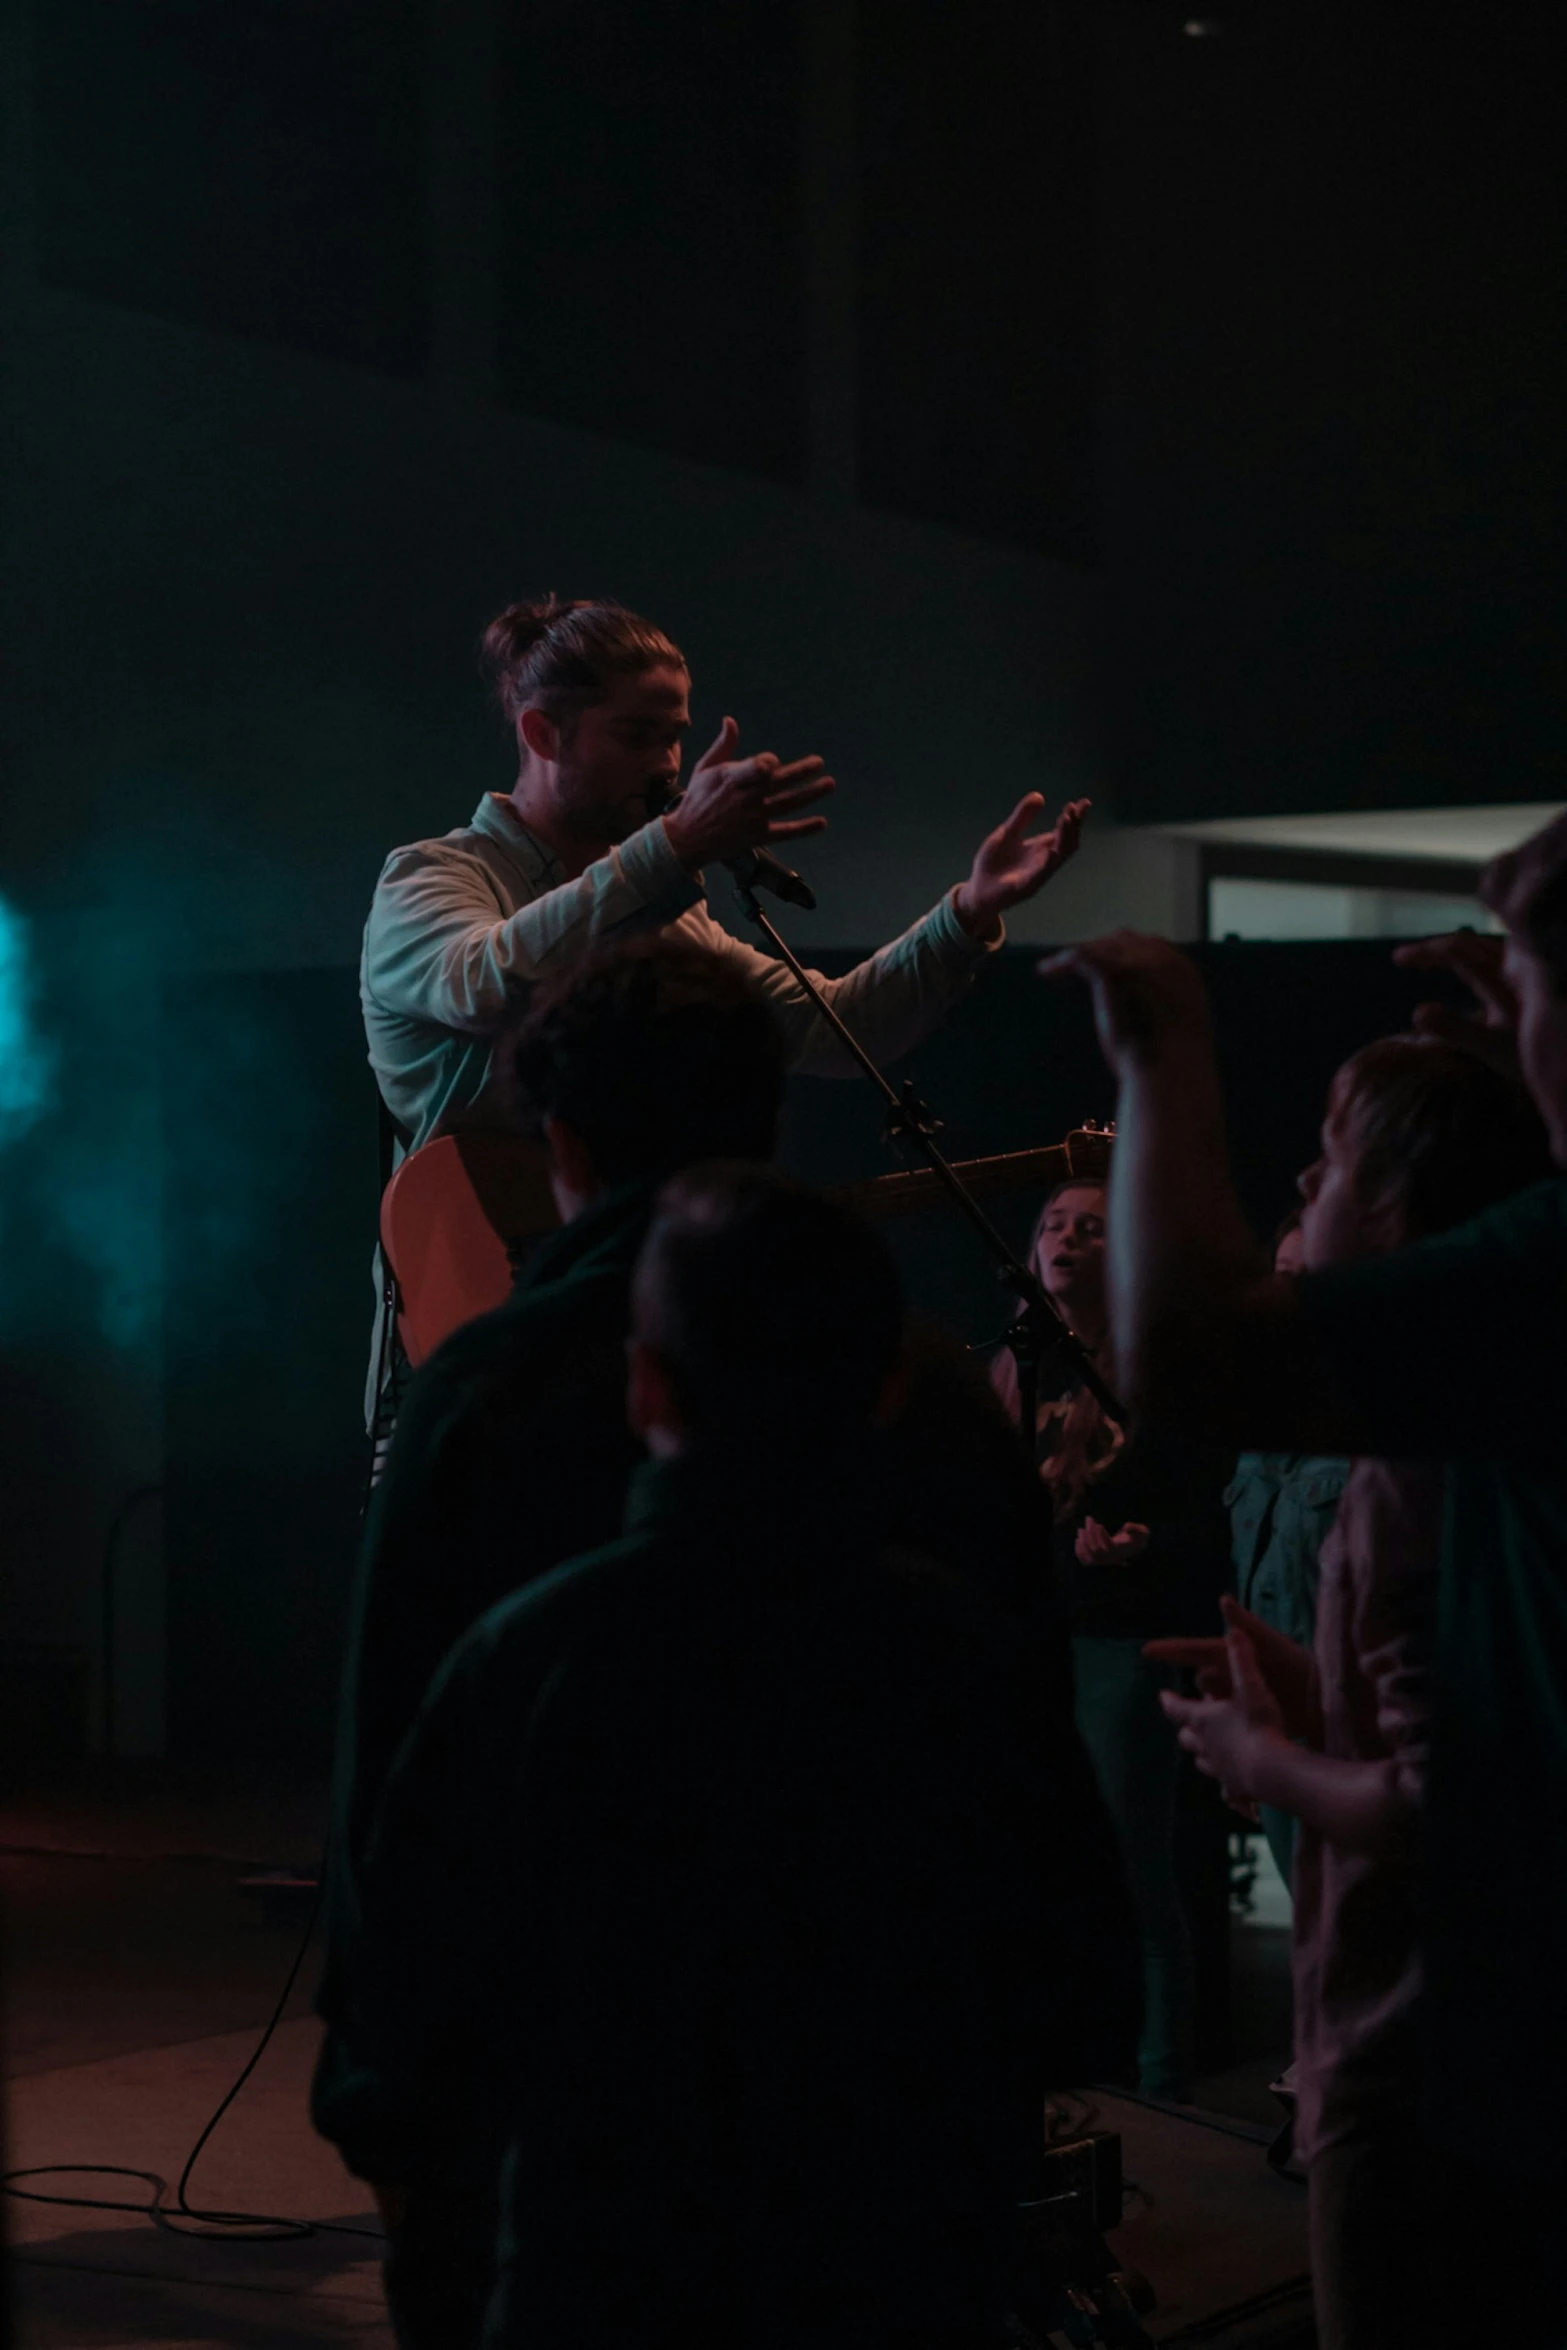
<point>139,1975</point>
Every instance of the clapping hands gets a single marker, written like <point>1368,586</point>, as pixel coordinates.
<point>1258,1689</point>
<point>1096,1547</point>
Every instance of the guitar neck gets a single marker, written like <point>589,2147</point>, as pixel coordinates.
<point>921,1187</point>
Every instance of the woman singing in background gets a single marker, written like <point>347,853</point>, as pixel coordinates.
<point>1140,1539</point>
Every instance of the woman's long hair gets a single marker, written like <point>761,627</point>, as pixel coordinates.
<point>1082,1440</point>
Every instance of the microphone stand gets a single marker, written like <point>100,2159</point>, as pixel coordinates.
<point>1039,1331</point>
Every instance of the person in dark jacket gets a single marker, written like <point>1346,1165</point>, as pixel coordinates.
<point>1138,1534</point>
<point>512,1450</point>
<point>734,1874</point>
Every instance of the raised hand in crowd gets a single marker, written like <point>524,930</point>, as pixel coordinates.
<point>1013,864</point>
<point>1288,1669</point>
<point>1148,997</point>
<point>1096,1546</point>
<point>731,804</point>
<point>1490,1028</point>
<point>1186,1274</point>
<point>1231,1738</point>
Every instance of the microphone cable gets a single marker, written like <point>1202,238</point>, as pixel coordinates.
<point>210,2227</point>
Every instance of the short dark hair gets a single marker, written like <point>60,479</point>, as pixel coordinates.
<point>1442,1133</point>
<point>563,656</point>
<point>769,1305</point>
<point>655,1053</point>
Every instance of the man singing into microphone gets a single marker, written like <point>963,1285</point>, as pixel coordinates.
<point>592,843</point>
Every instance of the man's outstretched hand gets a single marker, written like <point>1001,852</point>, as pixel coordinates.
<point>1491,1030</point>
<point>1147,995</point>
<point>1013,863</point>
<point>731,805</point>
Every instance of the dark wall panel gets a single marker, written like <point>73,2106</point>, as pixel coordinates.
<point>1335,253</point>
<point>255,166</point>
<point>651,268</point>
<point>977,307</point>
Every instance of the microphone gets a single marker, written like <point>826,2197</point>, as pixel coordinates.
<point>760,869</point>
<point>754,868</point>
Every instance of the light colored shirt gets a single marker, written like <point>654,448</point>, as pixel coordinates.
<point>1356,1925</point>
<point>459,926</point>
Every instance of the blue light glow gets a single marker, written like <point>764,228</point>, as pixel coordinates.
<point>27,1059</point>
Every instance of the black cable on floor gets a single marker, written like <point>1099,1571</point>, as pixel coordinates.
<point>212,2227</point>
<point>216,2227</point>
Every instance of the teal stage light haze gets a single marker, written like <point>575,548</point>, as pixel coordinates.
<point>27,1061</point>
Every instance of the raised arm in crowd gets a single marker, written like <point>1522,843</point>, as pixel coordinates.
<point>1430,1345</point>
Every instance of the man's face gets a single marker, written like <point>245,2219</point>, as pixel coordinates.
<point>1514,887</point>
<point>1336,1226</point>
<point>620,761</point>
<point>1542,1038</point>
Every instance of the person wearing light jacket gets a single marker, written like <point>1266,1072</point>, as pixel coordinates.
<point>595,843</point>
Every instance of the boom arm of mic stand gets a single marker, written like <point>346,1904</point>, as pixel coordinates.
<point>1040,1328</point>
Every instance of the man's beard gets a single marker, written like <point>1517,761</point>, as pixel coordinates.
<point>594,818</point>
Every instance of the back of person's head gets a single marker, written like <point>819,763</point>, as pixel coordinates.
<point>1527,889</point>
<point>1440,1134</point>
<point>562,657</point>
<point>655,1053</point>
<point>770,1309</point>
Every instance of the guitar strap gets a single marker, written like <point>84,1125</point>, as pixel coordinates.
<point>391,1365</point>
<point>391,1141</point>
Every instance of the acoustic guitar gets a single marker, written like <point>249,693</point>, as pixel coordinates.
<point>461,1215</point>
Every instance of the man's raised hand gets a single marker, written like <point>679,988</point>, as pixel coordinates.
<point>1147,995</point>
<point>1491,1031</point>
<point>1012,863</point>
<point>731,805</point>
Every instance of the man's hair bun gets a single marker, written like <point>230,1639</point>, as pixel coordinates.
<point>561,655</point>
<point>512,634</point>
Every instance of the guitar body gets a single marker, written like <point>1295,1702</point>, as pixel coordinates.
<point>456,1214</point>
<point>449,1218</point>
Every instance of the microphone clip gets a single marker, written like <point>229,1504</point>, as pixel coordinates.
<point>758,869</point>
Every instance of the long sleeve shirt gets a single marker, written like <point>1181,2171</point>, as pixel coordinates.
<point>459,926</point>
<point>1356,1938</point>
<point>1452,1349</point>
